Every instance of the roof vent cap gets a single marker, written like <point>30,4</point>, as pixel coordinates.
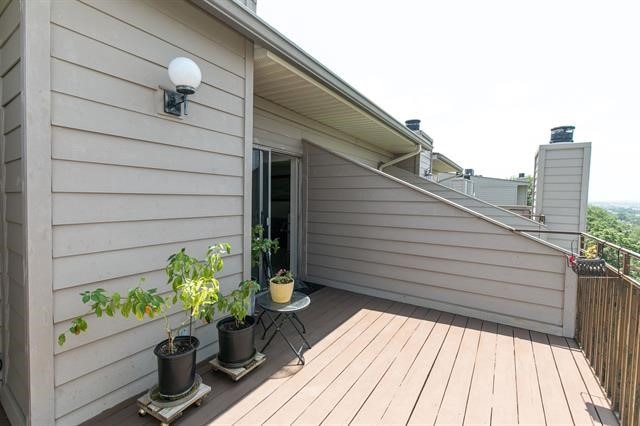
<point>413,124</point>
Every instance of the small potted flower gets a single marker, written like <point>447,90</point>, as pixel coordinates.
<point>591,264</point>
<point>281,286</point>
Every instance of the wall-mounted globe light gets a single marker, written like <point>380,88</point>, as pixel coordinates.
<point>186,76</point>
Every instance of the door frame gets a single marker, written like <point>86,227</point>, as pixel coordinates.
<point>295,210</point>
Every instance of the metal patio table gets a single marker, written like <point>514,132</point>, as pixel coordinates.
<point>284,312</point>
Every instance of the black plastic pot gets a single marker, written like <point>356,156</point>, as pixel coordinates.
<point>176,372</point>
<point>237,346</point>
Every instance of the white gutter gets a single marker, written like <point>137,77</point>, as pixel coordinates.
<point>250,25</point>
<point>401,158</point>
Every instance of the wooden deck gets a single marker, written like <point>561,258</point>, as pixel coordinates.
<point>376,361</point>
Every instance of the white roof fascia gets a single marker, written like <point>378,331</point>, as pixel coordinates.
<point>250,25</point>
<point>441,157</point>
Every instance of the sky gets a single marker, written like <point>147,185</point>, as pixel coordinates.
<point>490,78</point>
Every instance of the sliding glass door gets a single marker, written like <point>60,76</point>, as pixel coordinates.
<point>275,206</point>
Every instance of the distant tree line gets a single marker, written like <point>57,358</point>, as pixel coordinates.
<point>608,226</point>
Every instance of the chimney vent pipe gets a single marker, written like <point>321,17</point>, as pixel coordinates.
<point>413,124</point>
<point>562,134</point>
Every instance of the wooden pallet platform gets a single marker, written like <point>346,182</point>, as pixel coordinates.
<point>238,373</point>
<point>166,415</point>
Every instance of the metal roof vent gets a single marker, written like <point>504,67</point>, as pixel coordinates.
<point>562,134</point>
<point>413,124</point>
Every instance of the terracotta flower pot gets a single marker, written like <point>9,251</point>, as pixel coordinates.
<point>280,293</point>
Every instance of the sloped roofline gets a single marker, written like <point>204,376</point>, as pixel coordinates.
<point>251,26</point>
<point>524,234</point>
<point>441,157</point>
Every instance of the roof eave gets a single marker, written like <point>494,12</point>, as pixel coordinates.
<point>251,26</point>
<point>446,160</point>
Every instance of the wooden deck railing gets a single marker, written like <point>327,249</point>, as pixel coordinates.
<point>608,330</point>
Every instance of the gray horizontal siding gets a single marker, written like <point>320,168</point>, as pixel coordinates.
<point>373,234</point>
<point>472,203</point>
<point>13,335</point>
<point>562,190</point>
<point>132,185</point>
<point>498,192</point>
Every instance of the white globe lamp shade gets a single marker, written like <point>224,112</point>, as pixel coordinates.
<point>185,74</point>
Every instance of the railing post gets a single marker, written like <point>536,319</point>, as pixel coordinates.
<point>626,263</point>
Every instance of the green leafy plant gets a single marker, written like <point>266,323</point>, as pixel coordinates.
<point>236,303</point>
<point>261,245</point>
<point>138,301</point>
<point>192,281</point>
<point>282,277</point>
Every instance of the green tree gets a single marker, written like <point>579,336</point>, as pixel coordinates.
<point>606,225</point>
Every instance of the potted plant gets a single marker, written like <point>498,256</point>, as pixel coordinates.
<point>591,264</point>
<point>236,332</point>
<point>194,284</point>
<point>281,286</point>
<point>262,248</point>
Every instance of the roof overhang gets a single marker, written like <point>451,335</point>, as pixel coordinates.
<point>308,87</point>
<point>442,164</point>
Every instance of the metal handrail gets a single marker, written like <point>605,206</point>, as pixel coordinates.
<point>608,244</point>
<point>625,257</point>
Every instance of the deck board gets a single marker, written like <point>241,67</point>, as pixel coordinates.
<point>504,410</point>
<point>454,403</point>
<point>556,409</point>
<point>375,361</point>
<point>530,407</point>
<point>377,402</point>
<point>427,407</point>
<point>481,392</point>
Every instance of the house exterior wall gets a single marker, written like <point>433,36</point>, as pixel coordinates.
<point>411,165</point>
<point>132,185</point>
<point>480,206</point>
<point>522,195</point>
<point>425,163</point>
<point>465,186</point>
<point>370,233</point>
<point>496,191</point>
<point>13,321</point>
<point>561,189</point>
<point>284,130</point>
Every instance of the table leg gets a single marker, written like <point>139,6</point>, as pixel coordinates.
<point>260,321</point>
<point>277,328</point>
<point>264,333</point>
<point>291,318</point>
<point>278,322</point>
<point>295,317</point>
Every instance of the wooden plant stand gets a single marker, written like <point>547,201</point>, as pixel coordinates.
<point>238,373</point>
<point>166,415</point>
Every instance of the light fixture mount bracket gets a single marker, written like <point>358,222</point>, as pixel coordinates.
<point>173,102</point>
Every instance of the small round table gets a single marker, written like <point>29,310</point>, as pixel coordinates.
<point>286,312</point>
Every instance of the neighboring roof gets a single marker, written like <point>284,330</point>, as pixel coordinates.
<point>443,164</point>
<point>513,181</point>
<point>390,133</point>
